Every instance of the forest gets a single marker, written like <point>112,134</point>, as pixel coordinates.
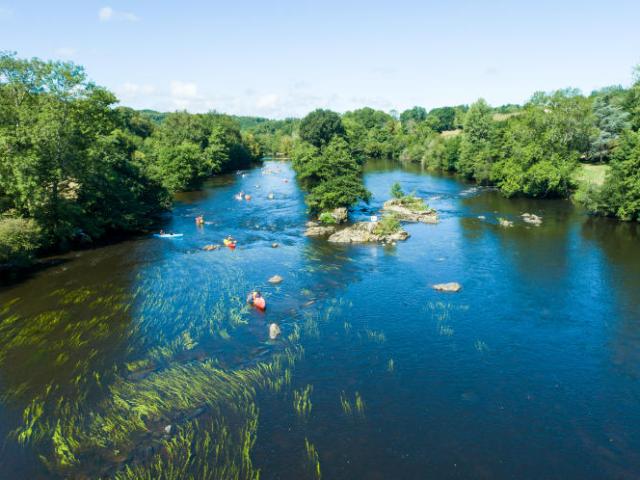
<point>76,168</point>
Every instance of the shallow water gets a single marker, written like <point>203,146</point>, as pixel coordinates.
<point>530,371</point>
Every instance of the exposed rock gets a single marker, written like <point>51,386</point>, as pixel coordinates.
<point>408,214</point>
<point>505,223</point>
<point>363,232</point>
<point>340,214</point>
<point>447,287</point>
<point>532,219</point>
<point>314,229</point>
<point>274,245</point>
<point>275,279</point>
<point>208,248</point>
<point>274,331</point>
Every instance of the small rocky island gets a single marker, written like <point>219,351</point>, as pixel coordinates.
<point>388,229</point>
<point>409,208</point>
<point>384,231</point>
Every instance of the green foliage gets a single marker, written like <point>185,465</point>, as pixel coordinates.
<point>320,126</point>
<point>188,148</point>
<point>331,175</point>
<point>19,240</point>
<point>396,190</point>
<point>476,149</point>
<point>67,157</point>
<point>541,146</point>
<point>388,225</point>
<point>415,114</point>
<point>326,218</point>
<point>620,194</point>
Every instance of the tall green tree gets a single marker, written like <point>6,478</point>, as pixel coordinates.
<point>320,126</point>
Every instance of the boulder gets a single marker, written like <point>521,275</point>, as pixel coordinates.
<point>447,287</point>
<point>314,229</point>
<point>363,232</point>
<point>532,219</point>
<point>408,214</point>
<point>274,331</point>
<point>275,279</point>
<point>340,214</point>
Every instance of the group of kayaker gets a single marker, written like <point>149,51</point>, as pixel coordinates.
<point>242,196</point>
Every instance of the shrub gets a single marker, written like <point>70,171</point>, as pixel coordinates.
<point>388,225</point>
<point>19,240</point>
<point>327,218</point>
<point>396,191</point>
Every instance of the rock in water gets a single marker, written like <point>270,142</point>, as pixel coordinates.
<point>275,279</point>
<point>505,223</point>
<point>447,287</point>
<point>532,219</point>
<point>363,232</point>
<point>340,214</point>
<point>274,245</point>
<point>407,214</point>
<point>314,229</point>
<point>274,331</point>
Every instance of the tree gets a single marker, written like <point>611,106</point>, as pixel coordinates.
<point>610,120</point>
<point>476,154</point>
<point>320,126</point>
<point>415,114</point>
<point>331,175</point>
<point>396,190</point>
<point>620,194</point>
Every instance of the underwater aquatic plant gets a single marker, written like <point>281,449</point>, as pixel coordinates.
<point>302,401</point>
<point>314,458</point>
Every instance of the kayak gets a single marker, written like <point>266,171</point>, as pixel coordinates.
<point>168,235</point>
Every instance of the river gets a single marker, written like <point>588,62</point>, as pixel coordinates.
<point>131,354</point>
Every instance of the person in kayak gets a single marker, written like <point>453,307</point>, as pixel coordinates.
<point>256,299</point>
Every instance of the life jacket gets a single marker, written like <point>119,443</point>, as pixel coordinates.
<point>259,302</point>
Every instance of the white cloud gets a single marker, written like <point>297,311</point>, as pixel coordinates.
<point>106,14</point>
<point>65,52</point>
<point>130,89</point>
<point>183,89</point>
<point>267,101</point>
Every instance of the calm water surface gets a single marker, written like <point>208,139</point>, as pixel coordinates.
<point>532,370</point>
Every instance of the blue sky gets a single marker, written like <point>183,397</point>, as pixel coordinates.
<point>285,58</point>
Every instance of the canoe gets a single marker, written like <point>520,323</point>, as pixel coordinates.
<point>168,235</point>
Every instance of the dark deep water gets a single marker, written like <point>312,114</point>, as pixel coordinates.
<point>532,371</point>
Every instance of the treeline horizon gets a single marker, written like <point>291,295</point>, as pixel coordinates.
<point>76,167</point>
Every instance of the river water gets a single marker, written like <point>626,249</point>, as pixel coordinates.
<point>132,354</point>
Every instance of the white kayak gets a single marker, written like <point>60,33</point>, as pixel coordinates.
<point>168,235</point>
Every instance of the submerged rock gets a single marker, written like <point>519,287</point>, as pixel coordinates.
<point>275,279</point>
<point>406,213</point>
<point>363,232</point>
<point>274,331</point>
<point>447,287</point>
<point>532,219</point>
